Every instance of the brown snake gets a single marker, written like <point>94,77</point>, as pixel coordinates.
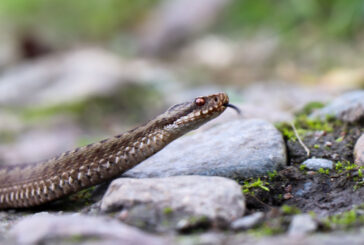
<point>34,184</point>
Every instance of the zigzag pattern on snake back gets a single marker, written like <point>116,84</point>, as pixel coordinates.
<point>34,184</point>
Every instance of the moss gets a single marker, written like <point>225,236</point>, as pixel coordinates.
<point>345,220</point>
<point>310,107</point>
<point>352,171</point>
<point>194,220</point>
<point>324,171</point>
<point>266,230</point>
<point>358,185</point>
<point>272,175</point>
<point>304,125</point>
<point>345,166</point>
<point>76,238</point>
<point>250,186</point>
<point>303,167</point>
<point>290,210</point>
<point>167,210</point>
<point>83,196</point>
<point>338,140</point>
<point>360,172</point>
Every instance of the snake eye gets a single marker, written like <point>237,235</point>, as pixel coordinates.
<point>200,101</point>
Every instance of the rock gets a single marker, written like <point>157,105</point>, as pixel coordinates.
<point>195,198</point>
<point>77,75</point>
<point>170,25</point>
<point>348,107</point>
<point>359,151</point>
<point>305,190</point>
<point>44,228</point>
<point>282,101</point>
<point>237,149</point>
<point>248,222</point>
<point>61,78</point>
<point>317,163</point>
<point>302,224</point>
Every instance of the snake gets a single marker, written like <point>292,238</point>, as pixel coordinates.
<point>28,185</point>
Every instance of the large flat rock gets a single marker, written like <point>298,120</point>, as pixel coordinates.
<point>237,149</point>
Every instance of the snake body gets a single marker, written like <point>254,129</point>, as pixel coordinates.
<point>34,184</point>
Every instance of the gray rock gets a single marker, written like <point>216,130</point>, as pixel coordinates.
<point>359,151</point>
<point>317,163</point>
<point>168,27</point>
<point>305,190</point>
<point>44,228</point>
<point>77,75</point>
<point>237,149</point>
<point>348,107</point>
<point>282,101</point>
<point>248,222</point>
<point>179,197</point>
<point>61,78</point>
<point>302,224</point>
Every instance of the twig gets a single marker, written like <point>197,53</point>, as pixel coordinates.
<point>300,140</point>
<point>260,201</point>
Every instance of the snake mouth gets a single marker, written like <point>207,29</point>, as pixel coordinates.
<point>233,107</point>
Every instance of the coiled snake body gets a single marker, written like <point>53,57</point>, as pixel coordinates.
<point>34,184</point>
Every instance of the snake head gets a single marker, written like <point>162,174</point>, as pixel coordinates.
<point>190,115</point>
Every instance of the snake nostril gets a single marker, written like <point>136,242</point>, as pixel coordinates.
<point>215,99</point>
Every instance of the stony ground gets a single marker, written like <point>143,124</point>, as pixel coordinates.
<point>231,182</point>
<point>289,170</point>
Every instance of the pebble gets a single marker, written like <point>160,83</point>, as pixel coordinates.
<point>348,107</point>
<point>214,198</point>
<point>359,151</point>
<point>248,222</point>
<point>236,149</point>
<point>302,224</point>
<point>317,163</point>
<point>45,228</point>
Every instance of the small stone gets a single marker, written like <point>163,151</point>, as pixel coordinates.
<point>305,190</point>
<point>237,149</point>
<point>310,173</point>
<point>317,163</point>
<point>328,143</point>
<point>288,188</point>
<point>287,196</point>
<point>44,228</point>
<point>178,197</point>
<point>348,107</point>
<point>359,151</point>
<point>335,156</point>
<point>302,224</point>
<point>248,222</point>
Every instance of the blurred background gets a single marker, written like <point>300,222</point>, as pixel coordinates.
<point>73,72</point>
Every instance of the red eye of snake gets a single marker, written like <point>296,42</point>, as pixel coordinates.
<point>200,101</point>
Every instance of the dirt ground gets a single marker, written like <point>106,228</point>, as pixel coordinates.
<point>324,192</point>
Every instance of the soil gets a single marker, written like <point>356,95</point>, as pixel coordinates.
<point>324,193</point>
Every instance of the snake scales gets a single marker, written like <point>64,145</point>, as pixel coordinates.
<point>34,184</point>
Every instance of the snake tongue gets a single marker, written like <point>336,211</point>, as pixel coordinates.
<point>234,107</point>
